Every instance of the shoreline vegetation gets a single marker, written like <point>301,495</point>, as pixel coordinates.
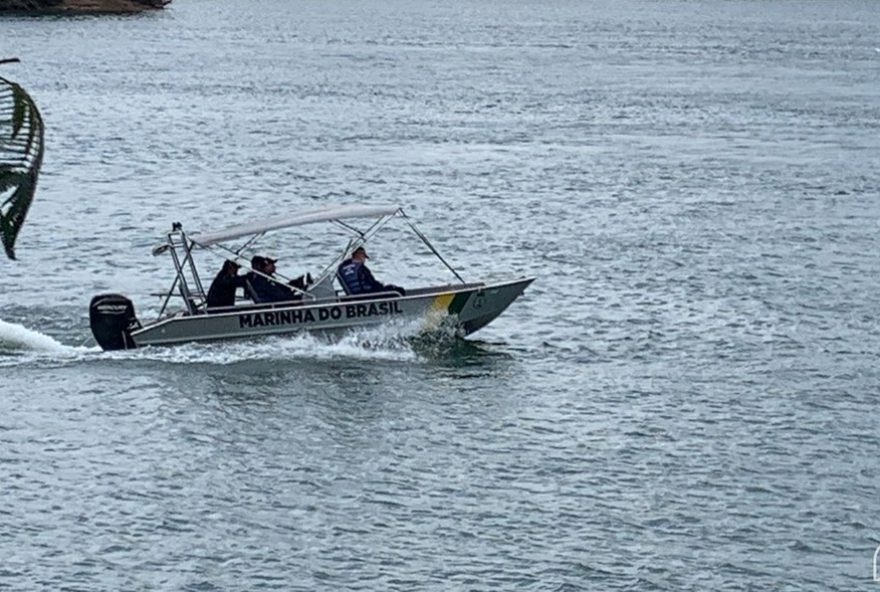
<point>39,7</point>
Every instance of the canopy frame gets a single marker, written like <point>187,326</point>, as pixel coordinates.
<point>195,297</point>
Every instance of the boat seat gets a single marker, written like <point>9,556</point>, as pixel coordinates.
<point>323,289</point>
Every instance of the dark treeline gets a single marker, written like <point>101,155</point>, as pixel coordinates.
<point>38,6</point>
<point>28,4</point>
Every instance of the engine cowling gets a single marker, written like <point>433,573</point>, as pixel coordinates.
<point>112,319</point>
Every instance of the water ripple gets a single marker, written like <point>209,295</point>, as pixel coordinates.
<point>682,401</point>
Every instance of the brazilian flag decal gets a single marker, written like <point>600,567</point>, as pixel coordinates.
<point>452,304</point>
<point>458,302</point>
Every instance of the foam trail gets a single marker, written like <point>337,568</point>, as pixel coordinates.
<point>383,342</point>
<point>14,338</point>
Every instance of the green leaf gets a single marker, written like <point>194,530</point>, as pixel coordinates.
<point>21,157</point>
<point>8,180</point>
<point>20,100</point>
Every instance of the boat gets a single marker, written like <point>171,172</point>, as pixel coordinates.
<point>322,307</point>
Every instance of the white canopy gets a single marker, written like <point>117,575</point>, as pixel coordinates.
<point>324,214</point>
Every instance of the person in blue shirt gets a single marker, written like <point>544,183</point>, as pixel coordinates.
<point>356,278</point>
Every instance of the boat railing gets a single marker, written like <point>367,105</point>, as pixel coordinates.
<point>341,298</point>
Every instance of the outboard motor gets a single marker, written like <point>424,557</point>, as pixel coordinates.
<point>112,319</point>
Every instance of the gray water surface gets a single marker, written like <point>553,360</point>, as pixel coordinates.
<point>684,399</point>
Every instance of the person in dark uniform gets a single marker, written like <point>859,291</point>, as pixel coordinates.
<point>222,290</point>
<point>358,279</point>
<point>267,289</point>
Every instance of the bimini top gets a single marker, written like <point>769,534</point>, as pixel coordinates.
<point>325,214</point>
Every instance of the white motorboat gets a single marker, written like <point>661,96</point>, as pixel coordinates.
<point>323,306</point>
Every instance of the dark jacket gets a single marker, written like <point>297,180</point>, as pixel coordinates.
<point>222,290</point>
<point>267,290</point>
<point>357,278</point>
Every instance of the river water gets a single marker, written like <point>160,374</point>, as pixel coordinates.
<point>683,400</point>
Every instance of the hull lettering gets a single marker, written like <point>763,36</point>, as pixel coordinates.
<point>273,318</point>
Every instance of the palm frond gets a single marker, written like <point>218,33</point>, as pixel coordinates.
<point>21,155</point>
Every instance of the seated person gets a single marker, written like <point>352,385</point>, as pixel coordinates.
<point>356,278</point>
<point>266,288</point>
<point>222,290</point>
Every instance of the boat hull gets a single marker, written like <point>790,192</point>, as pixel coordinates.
<point>469,308</point>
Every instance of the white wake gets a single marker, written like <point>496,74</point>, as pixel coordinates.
<point>389,341</point>
<point>20,345</point>
<point>15,338</point>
